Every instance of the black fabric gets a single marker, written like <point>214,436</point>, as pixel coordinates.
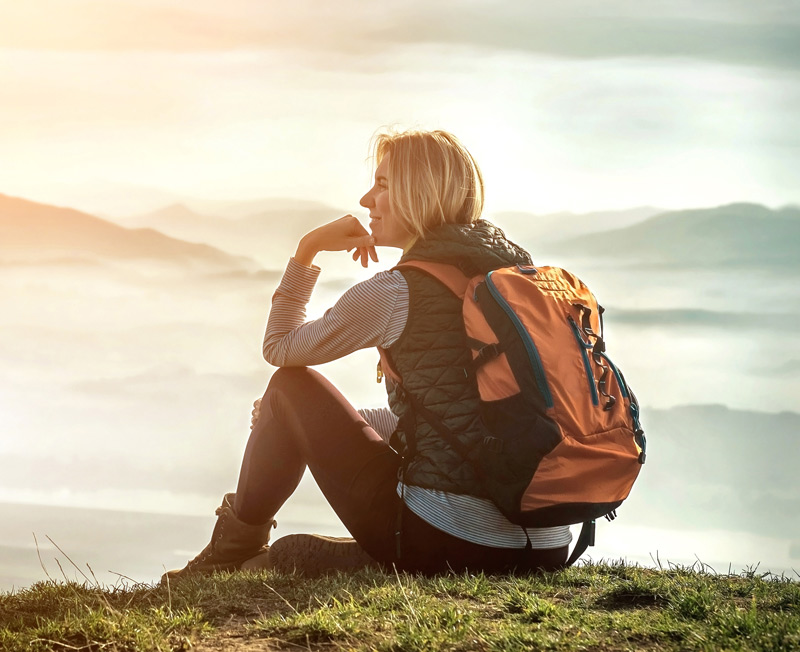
<point>433,359</point>
<point>585,539</point>
<point>474,248</point>
<point>567,513</point>
<point>357,472</point>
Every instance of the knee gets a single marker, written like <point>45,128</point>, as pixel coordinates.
<point>284,375</point>
<point>286,379</point>
<point>280,384</point>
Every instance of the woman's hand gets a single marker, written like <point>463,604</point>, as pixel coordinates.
<point>344,234</point>
<point>256,413</point>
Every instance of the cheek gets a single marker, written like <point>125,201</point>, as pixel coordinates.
<point>382,203</point>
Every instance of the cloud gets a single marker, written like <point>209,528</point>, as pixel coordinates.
<point>767,34</point>
<point>592,30</point>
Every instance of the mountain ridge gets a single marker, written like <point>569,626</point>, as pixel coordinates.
<point>562,224</point>
<point>34,230</point>
<point>732,233</point>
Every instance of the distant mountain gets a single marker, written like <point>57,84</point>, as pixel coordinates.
<point>248,207</point>
<point>530,228</point>
<point>710,466</point>
<point>104,198</point>
<point>177,220</point>
<point>266,235</point>
<point>31,231</point>
<point>732,234</point>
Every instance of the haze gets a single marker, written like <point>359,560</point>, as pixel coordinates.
<point>575,105</point>
<point>129,358</point>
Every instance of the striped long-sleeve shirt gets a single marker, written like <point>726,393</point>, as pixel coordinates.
<point>374,313</point>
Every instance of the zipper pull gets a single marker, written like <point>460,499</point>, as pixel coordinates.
<point>380,372</point>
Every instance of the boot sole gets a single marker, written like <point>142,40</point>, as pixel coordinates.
<point>261,561</point>
<point>314,554</point>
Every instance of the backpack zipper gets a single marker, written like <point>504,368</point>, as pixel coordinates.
<point>620,381</point>
<point>633,408</point>
<point>530,347</point>
<point>586,364</point>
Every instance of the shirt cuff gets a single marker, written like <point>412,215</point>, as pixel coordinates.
<point>293,262</point>
<point>299,280</point>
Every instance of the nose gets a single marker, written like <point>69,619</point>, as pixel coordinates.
<point>367,201</point>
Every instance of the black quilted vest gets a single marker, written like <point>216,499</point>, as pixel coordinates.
<point>431,355</point>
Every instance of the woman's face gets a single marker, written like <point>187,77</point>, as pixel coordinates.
<point>386,229</point>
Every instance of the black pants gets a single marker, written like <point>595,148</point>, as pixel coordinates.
<point>306,422</point>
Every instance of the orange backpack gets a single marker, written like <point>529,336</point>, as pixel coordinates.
<point>561,421</point>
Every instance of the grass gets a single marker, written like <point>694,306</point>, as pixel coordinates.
<point>599,607</point>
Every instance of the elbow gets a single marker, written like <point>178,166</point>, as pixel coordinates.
<point>271,355</point>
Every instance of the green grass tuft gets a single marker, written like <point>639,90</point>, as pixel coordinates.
<point>603,607</point>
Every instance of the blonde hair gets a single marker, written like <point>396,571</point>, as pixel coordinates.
<point>433,179</point>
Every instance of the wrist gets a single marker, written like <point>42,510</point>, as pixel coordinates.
<point>305,252</point>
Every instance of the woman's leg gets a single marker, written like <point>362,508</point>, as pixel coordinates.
<point>306,422</point>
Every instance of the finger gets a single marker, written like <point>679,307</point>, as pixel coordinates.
<point>363,241</point>
<point>356,254</point>
<point>373,254</point>
<point>364,257</point>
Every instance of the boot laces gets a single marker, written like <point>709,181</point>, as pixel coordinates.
<point>209,549</point>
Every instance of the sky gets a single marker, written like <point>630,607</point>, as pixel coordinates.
<point>117,106</point>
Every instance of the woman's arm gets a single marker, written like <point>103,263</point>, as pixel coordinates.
<point>344,234</point>
<point>371,313</point>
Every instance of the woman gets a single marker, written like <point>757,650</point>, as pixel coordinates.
<point>426,200</point>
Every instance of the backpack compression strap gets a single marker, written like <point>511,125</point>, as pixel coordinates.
<point>452,277</point>
<point>585,539</point>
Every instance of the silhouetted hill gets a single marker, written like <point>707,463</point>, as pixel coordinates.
<point>246,208</point>
<point>267,235</point>
<point>735,233</point>
<point>39,232</point>
<point>530,228</point>
<point>178,221</point>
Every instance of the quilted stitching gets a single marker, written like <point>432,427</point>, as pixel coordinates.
<point>432,353</point>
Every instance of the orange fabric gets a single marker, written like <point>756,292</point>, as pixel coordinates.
<point>558,349</point>
<point>597,458</point>
<point>606,463</point>
<point>495,378</point>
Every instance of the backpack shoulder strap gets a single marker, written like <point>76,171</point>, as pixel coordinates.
<point>448,275</point>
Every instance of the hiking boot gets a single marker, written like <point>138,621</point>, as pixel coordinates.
<point>233,543</point>
<point>314,554</point>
